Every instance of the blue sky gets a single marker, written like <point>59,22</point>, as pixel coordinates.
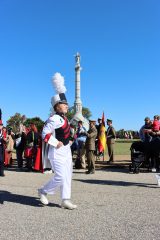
<point>119,44</point>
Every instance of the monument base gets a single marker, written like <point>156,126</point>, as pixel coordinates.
<point>79,117</point>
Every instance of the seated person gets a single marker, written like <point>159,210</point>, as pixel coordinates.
<point>79,145</point>
<point>81,135</point>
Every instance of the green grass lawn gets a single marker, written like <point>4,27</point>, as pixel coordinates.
<point>122,147</point>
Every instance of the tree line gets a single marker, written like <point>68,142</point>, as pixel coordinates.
<point>17,119</point>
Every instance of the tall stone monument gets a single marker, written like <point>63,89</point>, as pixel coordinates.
<point>78,103</point>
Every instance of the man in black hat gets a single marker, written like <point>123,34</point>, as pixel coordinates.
<point>98,126</point>
<point>111,135</point>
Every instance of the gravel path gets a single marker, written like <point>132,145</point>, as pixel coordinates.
<point>112,204</point>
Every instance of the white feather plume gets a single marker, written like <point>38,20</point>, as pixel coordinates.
<point>58,83</point>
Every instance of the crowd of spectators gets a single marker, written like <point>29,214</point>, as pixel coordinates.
<point>27,143</point>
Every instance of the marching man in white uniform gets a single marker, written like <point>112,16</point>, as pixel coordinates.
<point>56,133</point>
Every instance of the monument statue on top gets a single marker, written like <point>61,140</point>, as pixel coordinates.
<point>78,103</point>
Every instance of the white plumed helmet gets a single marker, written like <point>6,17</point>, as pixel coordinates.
<point>58,84</point>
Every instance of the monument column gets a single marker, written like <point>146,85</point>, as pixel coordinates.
<point>78,102</point>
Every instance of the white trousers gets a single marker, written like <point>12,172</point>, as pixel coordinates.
<point>61,162</point>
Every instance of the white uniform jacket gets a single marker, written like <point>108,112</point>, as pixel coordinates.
<point>49,134</point>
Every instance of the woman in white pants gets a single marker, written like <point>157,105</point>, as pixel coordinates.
<point>56,133</point>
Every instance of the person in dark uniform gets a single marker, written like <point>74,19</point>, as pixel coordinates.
<point>20,143</point>
<point>98,126</point>
<point>90,146</point>
<point>110,135</point>
<point>1,151</point>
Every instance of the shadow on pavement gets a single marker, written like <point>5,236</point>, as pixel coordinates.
<point>112,169</point>
<point>120,170</point>
<point>116,183</point>
<point>6,196</point>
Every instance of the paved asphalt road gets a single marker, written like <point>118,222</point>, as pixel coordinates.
<point>112,204</point>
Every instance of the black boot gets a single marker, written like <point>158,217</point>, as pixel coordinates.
<point>1,170</point>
